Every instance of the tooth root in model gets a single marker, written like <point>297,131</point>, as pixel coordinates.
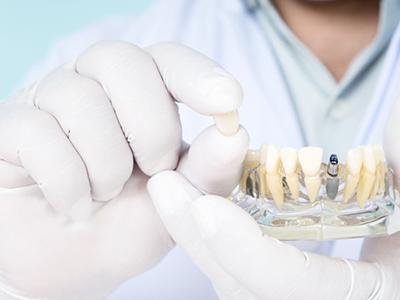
<point>367,176</point>
<point>353,167</point>
<point>273,176</point>
<point>310,159</point>
<point>290,165</point>
<point>379,184</point>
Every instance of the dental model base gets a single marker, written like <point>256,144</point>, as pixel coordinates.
<point>293,195</point>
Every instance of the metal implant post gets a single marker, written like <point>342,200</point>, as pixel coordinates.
<point>332,181</point>
<point>253,184</point>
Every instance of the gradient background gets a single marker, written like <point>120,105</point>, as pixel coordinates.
<point>27,36</point>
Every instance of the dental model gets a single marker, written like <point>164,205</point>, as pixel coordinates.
<point>310,159</point>
<point>293,195</point>
<point>271,158</point>
<point>367,175</point>
<point>290,168</point>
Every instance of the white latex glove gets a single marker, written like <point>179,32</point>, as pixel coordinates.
<point>75,216</point>
<point>227,244</point>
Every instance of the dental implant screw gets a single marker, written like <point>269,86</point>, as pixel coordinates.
<point>332,180</point>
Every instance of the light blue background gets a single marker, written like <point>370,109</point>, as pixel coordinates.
<point>28,28</point>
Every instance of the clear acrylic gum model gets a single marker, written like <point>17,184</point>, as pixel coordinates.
<point>293,195</point>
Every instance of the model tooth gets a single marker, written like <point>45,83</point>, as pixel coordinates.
<point>290,163</point>
<point>354,161</point>
<point>367,176</point>
<point>227,124</point>
<point>353,168</point>
<point>262,171</point>
<point>274,178</point>
<point>272,159</point>
<point>289,160</point>
<point>379,184</point>
<point>310,159</point>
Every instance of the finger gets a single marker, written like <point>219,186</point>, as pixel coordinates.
<point>36,142</point>
<point>200,83</point>
<point>85,114</point>
<point>172,195</point>
<point>12,176</point>
<point>146,112</point>
<point>213,163</point>
<point>196,80</point>
<point>270,268</point>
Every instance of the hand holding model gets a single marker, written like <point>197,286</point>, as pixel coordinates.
<point>228,245</point>
<point>77,151</point>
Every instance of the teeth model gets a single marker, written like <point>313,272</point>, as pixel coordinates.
<point>310,159</point>
<point>290,166</point>
<point>273,177</point>
<point>353,169</point>
<point>367,176</point>
<point>266,170</point>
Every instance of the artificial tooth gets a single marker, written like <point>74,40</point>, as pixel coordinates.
<point>310,159</point>
<point>227,124</point>
<point>273,176</point>
<point>290,165</point>
<point>367,176</point>
<point>263,172</point>
<point>353,168</point>
<point>379,184</point>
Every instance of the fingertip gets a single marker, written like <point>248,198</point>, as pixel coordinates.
<point>196,80</point>
<point>214,161</point>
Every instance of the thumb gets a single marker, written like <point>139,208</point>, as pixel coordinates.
<point>271,269</point>
<point>213,163</point>
<point>173,196</point>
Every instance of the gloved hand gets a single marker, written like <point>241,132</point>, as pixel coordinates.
<point>76,152</point>
<point>227,244</point>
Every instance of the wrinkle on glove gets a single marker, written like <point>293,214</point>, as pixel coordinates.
<point>229,247</point>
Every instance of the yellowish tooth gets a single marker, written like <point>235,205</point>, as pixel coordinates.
<point>379,184</point>
<point>290,166</point>
<point>263,172</point>
<point>310,159</point>
<point>251,161</point>
<point>367,176</point>
<point>227,124</point>
<point>274,178</point>
<point>353,168</point>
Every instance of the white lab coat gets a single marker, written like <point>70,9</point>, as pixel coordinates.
<point>227,32</point>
